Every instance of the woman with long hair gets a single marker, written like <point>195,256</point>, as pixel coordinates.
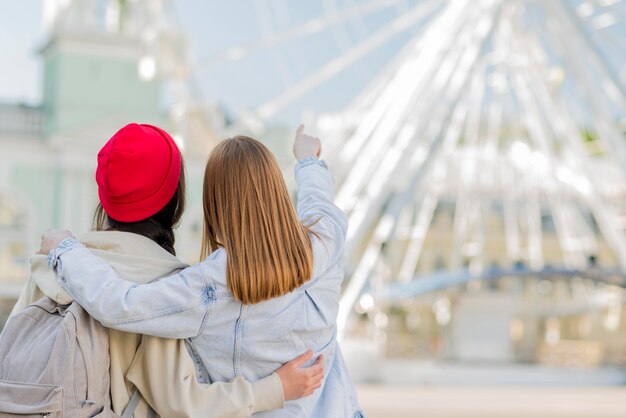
<point>267,288</point>
<point>141,186</point>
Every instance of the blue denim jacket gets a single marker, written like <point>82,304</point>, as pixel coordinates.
<point>227,338</point>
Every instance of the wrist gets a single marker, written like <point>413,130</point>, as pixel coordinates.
<point>305,156</point>
<point>268,394</point>
<point>304,162</point>
<point>63,247</point>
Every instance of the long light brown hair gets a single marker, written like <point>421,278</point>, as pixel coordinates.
<point>248,212</point>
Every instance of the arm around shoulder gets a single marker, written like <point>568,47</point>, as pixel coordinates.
<point>172,307</point>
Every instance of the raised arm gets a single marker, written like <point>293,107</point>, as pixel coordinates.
<point>173,307</point>
<point>315,189</point>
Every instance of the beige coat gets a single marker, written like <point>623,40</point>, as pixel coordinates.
<point>160,368</point>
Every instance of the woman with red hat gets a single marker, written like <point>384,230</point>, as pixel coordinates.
<point>141,186</point>
<point>268,285</point>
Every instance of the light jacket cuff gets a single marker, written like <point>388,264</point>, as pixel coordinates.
<point>54,260</point>
<point>268,394</point>
<point>310,161</point>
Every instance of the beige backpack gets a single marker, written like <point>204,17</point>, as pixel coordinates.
<point>54,362</point>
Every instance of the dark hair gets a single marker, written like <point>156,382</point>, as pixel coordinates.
<point>159,227</point>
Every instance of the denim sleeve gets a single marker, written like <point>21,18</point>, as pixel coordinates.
<point>315,188</point>
<point>173,307</point>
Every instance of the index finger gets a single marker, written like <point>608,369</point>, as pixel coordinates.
<point>300,130</point>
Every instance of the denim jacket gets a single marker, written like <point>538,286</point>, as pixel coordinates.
<point>227,338</point>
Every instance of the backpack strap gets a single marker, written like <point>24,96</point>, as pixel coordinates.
<point>132,405</point>
<point>79,315</point>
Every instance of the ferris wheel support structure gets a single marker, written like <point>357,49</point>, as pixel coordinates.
<point>419,165</point>
<point>549,128</point>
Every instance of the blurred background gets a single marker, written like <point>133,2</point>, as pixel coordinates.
<point>479,149</point>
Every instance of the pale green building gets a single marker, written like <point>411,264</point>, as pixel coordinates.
<point>99,73</point>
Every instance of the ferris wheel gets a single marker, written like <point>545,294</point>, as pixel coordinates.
<point>515,107</point>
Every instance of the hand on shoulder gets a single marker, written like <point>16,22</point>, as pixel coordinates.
<point>52,238</point>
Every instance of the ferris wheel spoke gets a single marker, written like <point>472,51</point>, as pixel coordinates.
<point>421,112</point>
<point>538,133</point>
<point>540,138</point>
<point>571,26</point>
<point>339,64</point>
<point>399,158</point>
<point>598,104</point>
<point>429,123</point>
<point>281,12</point>
<point>588,87</point>
<point>265,13</point>
<point>353,114</point>
<point>571,228</point>
<point>602,23</point>
<point>304,29</point>
<point>573,257</point>
<point>614,6</point>
<point>427,206</point>
<point>426,211</point>
<point>508,174</point>
<point>466,206</point>
<point>406,97</point>
<point>364,113</point>
<point>385,227</point>
<point>567,130</point>
<point>607,221</point>
<point>341,35</point>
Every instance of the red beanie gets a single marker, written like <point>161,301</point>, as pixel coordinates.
<point>138,172</point>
